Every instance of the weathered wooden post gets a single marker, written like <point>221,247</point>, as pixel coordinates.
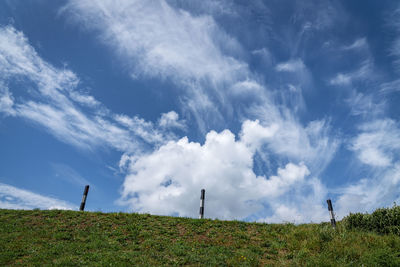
<point>203,192</point>
<point>330,208</point>
<point>84,198</point>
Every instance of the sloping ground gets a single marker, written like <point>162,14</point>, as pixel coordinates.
<point>119,239</point>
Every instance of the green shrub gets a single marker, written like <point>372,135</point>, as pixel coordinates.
<point>382,221</point>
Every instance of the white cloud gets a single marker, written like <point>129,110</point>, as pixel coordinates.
<point>376,146</point>
<point>366,70</point>
<point>86,100</point>
<point>247,87</point>
<point>312,144</point>
<point>19,59</point>
<point>162,40</point>
<point>394,21</point>
<point>216,8</point>
<point>6,101</point>
<point>395,51</point>
<point>341,79</point>
<point>66,173</point>
<point>70,125</point>
<point>171,120</point>
<point>155,40</point>
<point>223,166</point>
<point>379,189</point>
<point>54,105</point>
<point>296,75</point>
<point>293,65</point>
<point>389,87</point>
<point>15,198</point>
<point>365,104</point>
<point>254,135</point>
<point>363,73</point>
<point>306,204</point>
<point>56,111</point>
<point>358,44</point>
<point>377,142</point>
<point>143,129</point>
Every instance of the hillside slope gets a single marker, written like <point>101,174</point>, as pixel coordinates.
<point>93,238</point>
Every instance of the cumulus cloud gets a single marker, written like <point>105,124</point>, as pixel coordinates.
<point>158,39</point>
<point>171,120</point>
<point>254,135</point>
<point>15,198</point>
<point>213,81</point>
<point>306,203</point>
<point>312,144</point>
<point>155,40</point>
<point>223,166</point>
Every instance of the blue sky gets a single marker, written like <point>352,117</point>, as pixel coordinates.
<point>271,106</point>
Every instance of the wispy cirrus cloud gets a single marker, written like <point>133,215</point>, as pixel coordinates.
<point>366,104</point>
<point>155,40</point>
<point>68,174</point>
<point>212,77</point>
<point>377,143</point>
<point>267,76</point>
<point>358,44</point>
<point>6,101</point>
<point>394,51</point>
<point>377,189</point>
<point>393,22</point>
<point>376,146</point>
<point>16,198</point>
<point>390,87</point>
<point>163,41</point>
<point>363,73</point>
<point>56,103</point>
<point>291,66</point>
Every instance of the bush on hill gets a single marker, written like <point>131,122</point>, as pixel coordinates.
<point>382,221</point>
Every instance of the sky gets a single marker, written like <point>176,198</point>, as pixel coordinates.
<point>272,107</point>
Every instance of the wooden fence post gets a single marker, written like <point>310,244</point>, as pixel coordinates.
<point>201,215</point>
<point>330,208</point>
<point>84,198</point>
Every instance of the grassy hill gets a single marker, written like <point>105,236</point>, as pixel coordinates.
<point>93,238</point>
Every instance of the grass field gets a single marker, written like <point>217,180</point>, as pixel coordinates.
<point>72,238</point>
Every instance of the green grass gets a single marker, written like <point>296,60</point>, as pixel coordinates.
<point>72,238</point>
